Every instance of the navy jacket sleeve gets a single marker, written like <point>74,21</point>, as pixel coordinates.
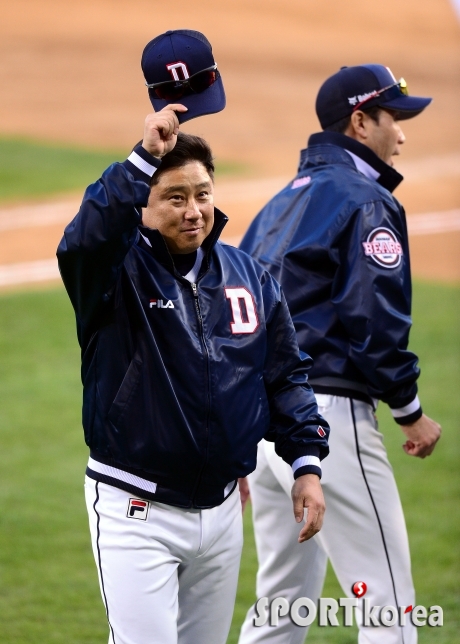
<point>372,297</point>
<point>95,243</point>
<point>299,432</point>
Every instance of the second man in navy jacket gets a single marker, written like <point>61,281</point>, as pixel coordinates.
<point>336,239</point>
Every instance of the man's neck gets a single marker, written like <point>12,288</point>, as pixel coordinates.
<point>184,262</point>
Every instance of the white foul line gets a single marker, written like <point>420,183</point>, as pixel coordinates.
<point>38,215</point>
<point>47,269</point>
<point>429,223</point>
<point>43,270</point>
<point>228,191</point>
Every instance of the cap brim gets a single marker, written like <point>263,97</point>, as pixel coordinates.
<point>210,101</point>
<point>407,106</point>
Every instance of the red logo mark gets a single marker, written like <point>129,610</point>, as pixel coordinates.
<point>321,431</point>
<point>408,609</point>
<point>359,589</point>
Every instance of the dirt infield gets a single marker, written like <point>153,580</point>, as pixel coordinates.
<point>70,72</point>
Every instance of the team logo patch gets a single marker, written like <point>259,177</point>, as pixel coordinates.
<point>138,509</point>
<point>384,248</point>
<point>244,312</point>
<point>321,431</point>
<point>302,181</point>
<point>178,70</point>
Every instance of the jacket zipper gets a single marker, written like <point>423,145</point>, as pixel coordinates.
<point>208,407</point>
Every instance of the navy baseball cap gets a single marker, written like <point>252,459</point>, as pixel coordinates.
<point>179,67</point>
<point>365,86</point>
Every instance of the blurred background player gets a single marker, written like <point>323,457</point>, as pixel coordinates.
<point>336,239</point>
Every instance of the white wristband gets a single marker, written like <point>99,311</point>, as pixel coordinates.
<point>407,410</point>
<point>140,163</point>
<point>305,460</point>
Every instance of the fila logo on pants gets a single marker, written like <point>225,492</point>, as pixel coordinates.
<point>137,509</point>
<point>244,312</point>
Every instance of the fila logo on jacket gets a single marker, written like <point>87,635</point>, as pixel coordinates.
<point>161,304</point>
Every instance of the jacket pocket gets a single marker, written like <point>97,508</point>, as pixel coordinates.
<point>125,392</point>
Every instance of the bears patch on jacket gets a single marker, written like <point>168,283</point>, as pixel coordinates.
<point>383,247</point>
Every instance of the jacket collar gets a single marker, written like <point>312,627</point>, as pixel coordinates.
<point>320,151</point>
<point>157,245</point>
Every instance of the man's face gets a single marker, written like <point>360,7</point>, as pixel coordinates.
<point>181,207</point>
<point>386,136</point>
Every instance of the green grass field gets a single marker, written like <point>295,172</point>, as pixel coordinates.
<point>48,585</point>
<point>31,169</point>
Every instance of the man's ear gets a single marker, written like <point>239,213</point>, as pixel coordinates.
<point>358,128</point>
<point>358,122</point>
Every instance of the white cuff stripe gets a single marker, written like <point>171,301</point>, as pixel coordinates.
<point>305,460</point>
<point>126,477</point>
<point>140,163</point>
<point>407,410</point>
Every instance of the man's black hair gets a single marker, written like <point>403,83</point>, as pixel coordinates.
<point>188,148</point>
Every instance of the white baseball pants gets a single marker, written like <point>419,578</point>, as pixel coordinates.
<point>364,532</point>
<point>167,575</point>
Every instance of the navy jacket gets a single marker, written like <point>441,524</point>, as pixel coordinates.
<point>181,381</point>
<point>337,242</point>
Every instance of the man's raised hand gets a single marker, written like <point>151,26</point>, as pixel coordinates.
<point>161,129</point>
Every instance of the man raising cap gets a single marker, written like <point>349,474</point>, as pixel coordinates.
<point>189,359</point>
<point>336,240</point>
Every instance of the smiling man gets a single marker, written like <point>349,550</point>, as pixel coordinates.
<point>181,204</point>
<point>336,239</point>
<point>189,359</point>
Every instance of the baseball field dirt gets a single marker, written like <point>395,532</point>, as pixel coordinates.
<point>70,72</point>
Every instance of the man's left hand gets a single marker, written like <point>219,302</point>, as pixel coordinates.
<point>307,493</point>
<point>422,436</point>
